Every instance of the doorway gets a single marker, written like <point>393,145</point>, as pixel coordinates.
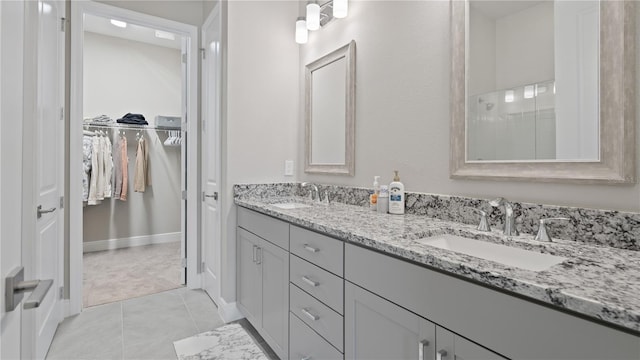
<point>134,241</point>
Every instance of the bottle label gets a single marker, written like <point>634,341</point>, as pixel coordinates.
<point>397,197</point>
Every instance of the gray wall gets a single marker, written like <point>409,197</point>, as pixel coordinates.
<point>123,76</point>
<point>402,108</point>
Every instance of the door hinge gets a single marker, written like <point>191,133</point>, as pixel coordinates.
<point>203,51</point>
<point>63,24</point>
<point>61,292</point>
<point>61,113</point>
<point>184,194</point>
<point>183,263</point>
<point>184,58</point>
<point>61,202</point>
<point>202,267</point>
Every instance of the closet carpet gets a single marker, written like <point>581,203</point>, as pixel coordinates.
<point>121,274</point>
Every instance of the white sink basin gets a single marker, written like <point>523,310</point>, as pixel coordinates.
<point>506,255</point>
<point>291,205</point>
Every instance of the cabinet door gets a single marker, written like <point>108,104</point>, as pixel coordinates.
<point>275,296</point>
<point>378,329</point>
<point>450,346</point>
<point>249,282</point>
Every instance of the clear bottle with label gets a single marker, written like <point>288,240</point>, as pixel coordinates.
<point>373,198</point>
<point>396,196</point>
<point>383,200</point>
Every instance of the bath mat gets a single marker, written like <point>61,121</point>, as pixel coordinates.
<point>226,342</point>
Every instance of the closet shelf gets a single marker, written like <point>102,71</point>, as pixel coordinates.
<point>128,127</point>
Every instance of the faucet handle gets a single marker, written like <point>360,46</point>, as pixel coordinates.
<point>484,224</point>
<point>542,234</point>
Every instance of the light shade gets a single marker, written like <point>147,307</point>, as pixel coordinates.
<point>118,23</point>
<point>528,92</point>
<point>301,31</point>
<point>313,16</point>
<point>340,8</point>
<point>509,96</point>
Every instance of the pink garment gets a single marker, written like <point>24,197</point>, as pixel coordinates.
<point>125,169</point>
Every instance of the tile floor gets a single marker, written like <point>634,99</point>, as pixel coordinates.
<point>140,328</point>
<point>121,274</point>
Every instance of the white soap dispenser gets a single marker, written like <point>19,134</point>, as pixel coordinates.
<point>396,196</point>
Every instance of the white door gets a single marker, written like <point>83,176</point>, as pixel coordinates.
<point>210,155</point>
<point>47,247</point>
<point>11,65</point>
<point>31,168</point>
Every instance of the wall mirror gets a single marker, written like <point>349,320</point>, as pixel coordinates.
<point>330,112</point>
<point>543,90</point>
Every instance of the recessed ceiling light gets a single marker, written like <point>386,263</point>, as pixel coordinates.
<point>118,23</point>
<point>165,35</point>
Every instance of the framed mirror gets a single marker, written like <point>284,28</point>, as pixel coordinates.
<point>543,90</point>
<point>330,113</point>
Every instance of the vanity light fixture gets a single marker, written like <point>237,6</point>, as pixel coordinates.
<point>301,31</point>
<point>509,96</point>
<point>340,8</point>
<point>318,16</point>
<point>313,16</point>
<point>528,92</point>
<point>118,23</point>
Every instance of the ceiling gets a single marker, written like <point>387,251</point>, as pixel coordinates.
<point>101,25</point>
<point>500,9</point>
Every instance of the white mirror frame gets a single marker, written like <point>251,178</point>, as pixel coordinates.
<point>348,168</point>
<point>617,109</point>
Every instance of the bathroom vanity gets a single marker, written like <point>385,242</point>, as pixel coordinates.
<point>336,281</point>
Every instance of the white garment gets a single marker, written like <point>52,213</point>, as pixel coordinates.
<point>95,171</point>
<point>100,174</point>
<point>108,167</point>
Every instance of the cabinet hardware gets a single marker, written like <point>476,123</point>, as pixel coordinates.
<point>441,354</point>
<point>310,282</point>
<point>311,248</point>
<point>309,315</point>
<point>421,347</point>
<point>258,255</point>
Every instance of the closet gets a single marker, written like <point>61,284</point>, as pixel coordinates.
<point>133,160</point>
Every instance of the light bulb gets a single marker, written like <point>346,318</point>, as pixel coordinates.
<point>301,31</point>
<point>313,16</point>
<point>340,8</point>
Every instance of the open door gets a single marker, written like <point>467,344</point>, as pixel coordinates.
<point>210,220</point>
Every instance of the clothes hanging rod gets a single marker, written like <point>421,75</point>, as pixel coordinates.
<point>129,127</point>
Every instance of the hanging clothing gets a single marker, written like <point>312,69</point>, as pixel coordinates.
<point>108,167</point>
<point>141,178</point>
<point>117,167</point>
<point>87,146</point>
<point>124,162</point>
<point>96,169</point>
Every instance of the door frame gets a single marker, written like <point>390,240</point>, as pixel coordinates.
<point>190,230</point>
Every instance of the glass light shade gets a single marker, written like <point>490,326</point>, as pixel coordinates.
<point>313,16</point>
<point>528,92</point>
<point>301,31</point>
<point>118,23</point>
<point>509,96</point>
<point>340,8</point>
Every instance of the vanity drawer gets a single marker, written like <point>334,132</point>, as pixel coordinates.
<point>307,344</point>
<point>266,227</point>
<point>321,250</point>
<point>320,283</point>
<point>326,322</point>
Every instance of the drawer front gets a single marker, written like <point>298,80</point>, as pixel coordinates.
<point>307,344</point>
<point>320,283</point>
<point>268,228</point>
<point>326,322</point>
<point>318,249</point>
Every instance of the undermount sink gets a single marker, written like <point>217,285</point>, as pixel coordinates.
<point>506,255</point>
<point>291,205</point>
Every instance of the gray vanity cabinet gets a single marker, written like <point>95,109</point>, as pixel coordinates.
<point>378,329</point>
<point>263,278</point>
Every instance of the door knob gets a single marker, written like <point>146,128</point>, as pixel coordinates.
<point>214,195</point>
<point>16,287</point>
<point>44,211</point>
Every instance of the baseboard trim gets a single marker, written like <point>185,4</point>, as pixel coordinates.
<point>121,243</point>
<point>229,311</point>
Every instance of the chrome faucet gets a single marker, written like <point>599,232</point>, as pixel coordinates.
<point>509,217</point>
<point>313,189</point>
<point>543,235</point>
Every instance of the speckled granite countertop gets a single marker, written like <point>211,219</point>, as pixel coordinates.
<point>596,281</point>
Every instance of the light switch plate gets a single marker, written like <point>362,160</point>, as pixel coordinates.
<point>288,168</point>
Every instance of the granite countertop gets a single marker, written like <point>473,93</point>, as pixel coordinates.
<point>596,281</point>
